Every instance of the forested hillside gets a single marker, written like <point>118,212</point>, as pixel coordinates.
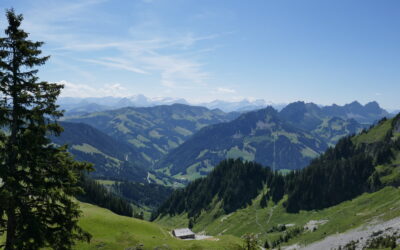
<point>97,194</point>
<point>143,194</point>
<point>234,182</point>
<point>357,164</point>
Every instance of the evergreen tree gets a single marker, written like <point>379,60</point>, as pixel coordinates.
<point>39,179</point>
<point>264,200</point>
<point>191,223</point>
<point>99,195</point>
<point>250,241</point>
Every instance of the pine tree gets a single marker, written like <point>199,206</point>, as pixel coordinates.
<point>250,241</point>
<point>39,179</point>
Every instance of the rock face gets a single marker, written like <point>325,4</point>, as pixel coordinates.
<point>369,113</point>
<point>308,114</point>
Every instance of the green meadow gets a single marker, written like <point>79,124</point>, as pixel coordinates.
<point>111,231</point>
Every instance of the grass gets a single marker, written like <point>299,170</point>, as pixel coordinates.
<point>183,131</point>
<point>89,149</point>
<point>284,171</point>
<point>137,143</point>
<point>384,204</point>
<point>106,182</point>
<point>235,152</point>
<point>111,231</point>
<point>308,152</point>
<point>202,153</point>
<point>375,134</point>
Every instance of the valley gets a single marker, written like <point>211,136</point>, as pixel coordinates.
<point>301,129</point>
<point>199,125</point>
<point>178,143</point>
<point>331,206</point>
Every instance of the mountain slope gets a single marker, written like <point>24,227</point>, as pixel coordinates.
<point>154,131</point>
<point>259,136</point>
<point>111,158</point>
<point>328,126</point>
<point>367,210</point>
<point>111,231</point>
<point>327,194</point>
<point>356,164</point>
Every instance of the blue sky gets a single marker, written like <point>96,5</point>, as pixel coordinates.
<point>281,51</point>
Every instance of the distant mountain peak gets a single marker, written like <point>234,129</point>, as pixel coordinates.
<point>373,105</point>
<point>355,103</point>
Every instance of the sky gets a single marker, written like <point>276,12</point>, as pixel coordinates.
<point>281,51</point>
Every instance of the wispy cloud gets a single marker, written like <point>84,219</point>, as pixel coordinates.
<point>173,58</point>
<point>225,90</point>
<point>116,63</point>
<point>176,68</point>
<point>84,90</point>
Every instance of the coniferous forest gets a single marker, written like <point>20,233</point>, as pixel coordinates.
<point>233,181</point>
<point>99,195</point>
<point>148,194</point>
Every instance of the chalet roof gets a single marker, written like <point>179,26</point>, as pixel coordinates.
<point>182,232</point>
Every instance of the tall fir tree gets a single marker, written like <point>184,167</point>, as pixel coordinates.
<point>38,178</point>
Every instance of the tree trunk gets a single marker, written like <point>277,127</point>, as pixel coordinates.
<point>11,227</point>
<point>11,162</point>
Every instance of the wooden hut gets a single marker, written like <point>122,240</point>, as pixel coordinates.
<point>183,233</point>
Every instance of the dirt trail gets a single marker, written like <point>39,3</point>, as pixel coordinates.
<point>361,234</point>
<point>257,222</point>
<point>271,212</point>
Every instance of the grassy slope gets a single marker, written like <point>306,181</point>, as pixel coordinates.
<point>384,204</point>
<point>389,173</point>
<point>345,216</point>
<point>111,231</point>
<point>375,134</point>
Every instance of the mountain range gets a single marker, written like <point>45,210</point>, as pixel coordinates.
<point>301,130</point>
<point>78,106</point>
<point>84,105</point>
<point>259,136</point>
<point>188,141</point>
<point>153,131</point>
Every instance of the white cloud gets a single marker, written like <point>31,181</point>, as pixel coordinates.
<point>83,90</point>
<point>226,90</point>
